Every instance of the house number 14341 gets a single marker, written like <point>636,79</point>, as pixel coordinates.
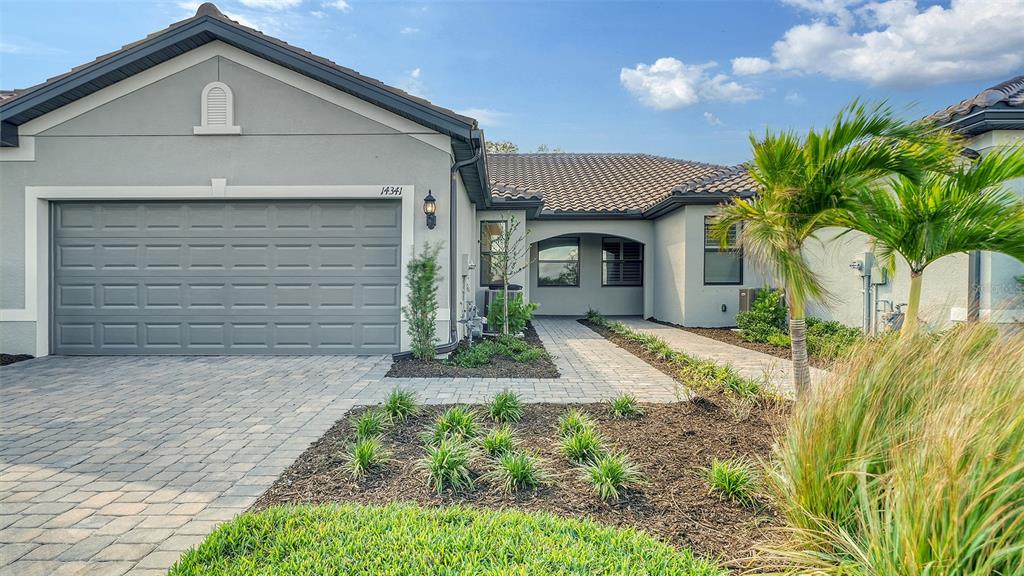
<point>391,191</point>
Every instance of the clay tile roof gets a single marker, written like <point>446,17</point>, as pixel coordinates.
<point>1008,94</point>
<point>732,182</point>
<point>593,182</point>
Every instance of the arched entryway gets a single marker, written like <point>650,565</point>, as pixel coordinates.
<point>574,272</point>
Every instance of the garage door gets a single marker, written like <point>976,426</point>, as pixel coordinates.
<point>282,277</point>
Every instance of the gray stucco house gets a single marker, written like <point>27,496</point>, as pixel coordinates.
<point>212,190</point>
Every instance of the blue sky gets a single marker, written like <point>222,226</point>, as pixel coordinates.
<point>656,77</point>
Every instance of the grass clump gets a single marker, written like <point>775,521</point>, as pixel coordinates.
<point>364,455</point>
<point>734,479</point>
<point>506,407</point>
<point>401,404</point>
<point>405,539</point>
<point>458,422</point>
<point>909,460</point>
<point>573,421</point>
<point>371,423</point>
<point>498,442</point>
<point>626,406</point>
<point>583,446</point>
<point>690,370</point>
<point>515,471</point>
<point>447,465</point>
<point>481,353</point>
<point>611,474</point>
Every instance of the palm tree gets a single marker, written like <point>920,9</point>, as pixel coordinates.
<point>807,184</point>
<point>922,221</point>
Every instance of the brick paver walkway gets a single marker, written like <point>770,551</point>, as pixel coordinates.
<point>750,363</point>
<point>114,465</point>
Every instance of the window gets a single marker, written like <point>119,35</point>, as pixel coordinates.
<point>490,240</point>
<point>722,265</point>
<point>622,262</point>
<point>558,262</point>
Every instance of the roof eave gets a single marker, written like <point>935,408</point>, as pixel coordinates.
<point>678,200</point>
<point>987,120</point>
<point>48,96</point>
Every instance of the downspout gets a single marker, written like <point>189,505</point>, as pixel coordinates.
<point>974,286</point>
<point>453,331</point>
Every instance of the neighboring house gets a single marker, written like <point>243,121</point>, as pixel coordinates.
<point>212,190</point>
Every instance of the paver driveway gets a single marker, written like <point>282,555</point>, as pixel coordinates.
<point>113,465</point>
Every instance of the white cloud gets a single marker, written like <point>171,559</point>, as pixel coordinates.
<point>745,66</point>
<point>669,84</point>
<point>271,4</point>
<point>795,98</point>
<point>318,14</point>
<point>338,5</point>
<point>413,82</point>
<point>487,117</point>
<point>409,30</point>
<point>896,43</point>
<point>8,48</point>
<point>712,119</point>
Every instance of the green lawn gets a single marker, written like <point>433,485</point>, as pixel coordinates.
<point>406,539</point>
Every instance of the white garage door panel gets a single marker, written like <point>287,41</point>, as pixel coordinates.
<point>280,277</point>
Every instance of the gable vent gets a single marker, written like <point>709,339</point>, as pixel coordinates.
<point>217,111</point>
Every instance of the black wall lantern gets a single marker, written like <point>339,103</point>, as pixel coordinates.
<point>430,209</point>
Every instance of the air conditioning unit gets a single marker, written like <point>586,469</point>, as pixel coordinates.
<point>492,293</point>
<point>747,297</point>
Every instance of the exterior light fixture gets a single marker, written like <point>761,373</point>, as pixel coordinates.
<point>430,209</point>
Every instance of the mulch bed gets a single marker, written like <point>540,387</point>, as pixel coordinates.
<point>732,337</point>
<point>6,359</point>
<point>671,443</point>
<point>500,366</point>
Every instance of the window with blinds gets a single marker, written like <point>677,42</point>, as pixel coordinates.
<point>622,262</point>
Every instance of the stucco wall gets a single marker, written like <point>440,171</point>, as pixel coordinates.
<point>670,267</point>
<point>704,302</point>
<point>289,137</point>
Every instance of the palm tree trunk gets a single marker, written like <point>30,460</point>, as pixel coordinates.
<point>910,323</point>
<point>798,345</point>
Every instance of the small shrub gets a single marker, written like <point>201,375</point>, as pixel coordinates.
<point>610,474</point>
<point>481,353</point>
<point>519,313</point>
<point>733,479</point>
<point>423,275</point>
<point>626,406</point>
<point>583,446</point>
<point>401,404</point>
<point>830,339</point>
<point>573,421</point>
<point>595,317</point>
<point>506,407</point>
<point>498,442</point>
<point>447,465</point>
<point>779,339</point>
<point>371,423</point>
<point>365,454</point>
<point>767,316</point>
<point>515,471</point>
<point>457,422</point>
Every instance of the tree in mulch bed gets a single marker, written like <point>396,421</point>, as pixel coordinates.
<point>423,275</point>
